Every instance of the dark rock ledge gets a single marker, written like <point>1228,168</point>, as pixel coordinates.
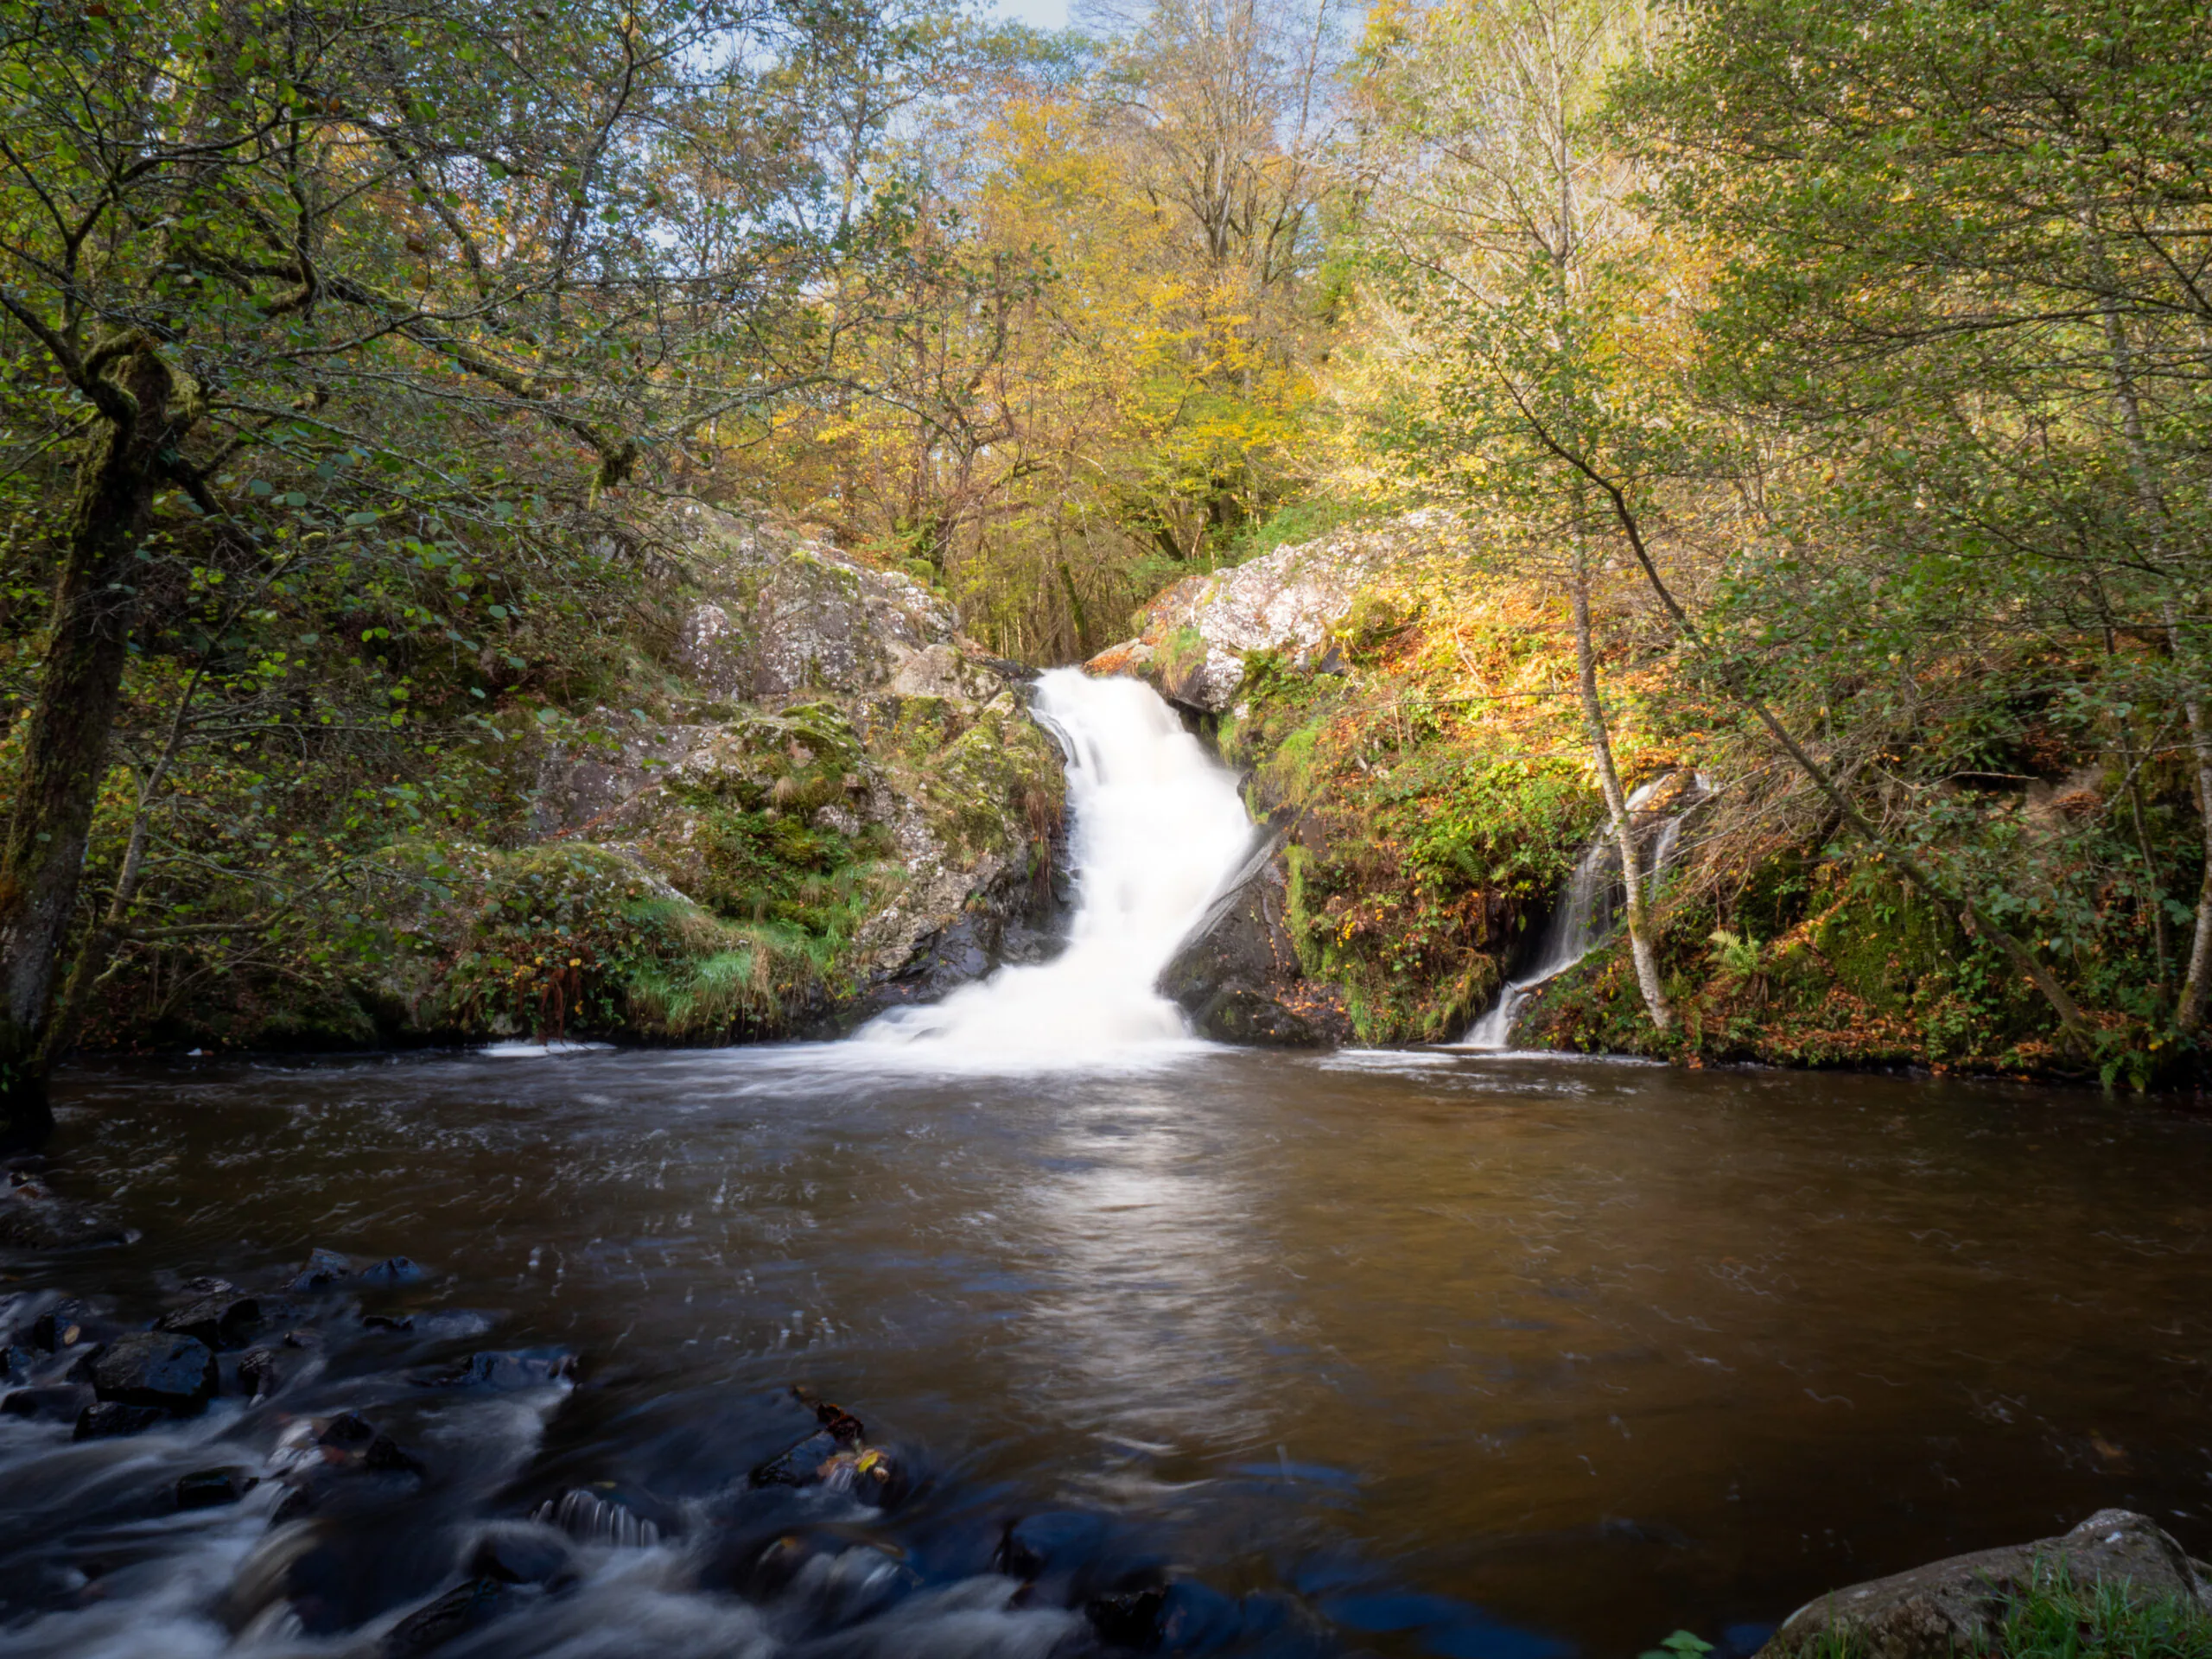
<point>1237,975</point>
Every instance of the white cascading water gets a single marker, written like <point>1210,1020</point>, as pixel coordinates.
<point>1156,825</point>
<point>1581,921</point>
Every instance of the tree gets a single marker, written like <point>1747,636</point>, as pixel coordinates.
<point>409,258</point>
<point>1967,283</point>
<point>1501,224</point>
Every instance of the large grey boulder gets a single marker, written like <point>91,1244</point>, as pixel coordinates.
<point>1237,978</point>
<point>1956,1605</point>
<point>1197,633</point>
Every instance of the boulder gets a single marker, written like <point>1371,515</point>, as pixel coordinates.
<point>156,1367</point>
<point>787,614</point>
<point>1196,633</point>
<point>1956,1605</point>
<point>1237,976</point>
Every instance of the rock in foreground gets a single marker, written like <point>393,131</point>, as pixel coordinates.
<point>1957,1605</point>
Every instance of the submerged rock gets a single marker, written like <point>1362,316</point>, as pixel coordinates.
<point>459,1610</point>
<point>1237,976</point>
<point>34,1218</point>
<point>1956,1605</point>
<point>324,1268</point>
<point>522,1552</point>
<point>499,1370</point>
<point>209,1489</point>
<point>111,1418</point>
<point>58,1400</point>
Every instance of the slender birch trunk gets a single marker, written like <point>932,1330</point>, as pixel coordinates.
<point>1618,824</point>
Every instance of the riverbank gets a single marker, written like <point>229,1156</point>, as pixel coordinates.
<point>1404,709</point>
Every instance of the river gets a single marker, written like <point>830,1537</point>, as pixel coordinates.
<point>1401,1353</point>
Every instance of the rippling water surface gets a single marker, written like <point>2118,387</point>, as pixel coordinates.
<point>1391,1353</point>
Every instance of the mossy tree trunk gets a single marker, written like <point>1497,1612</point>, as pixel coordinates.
<point>80,679</point>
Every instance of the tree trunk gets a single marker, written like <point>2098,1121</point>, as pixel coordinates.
<point>1616,814</point>
<point>2197,983</point>
<point>65,748</point>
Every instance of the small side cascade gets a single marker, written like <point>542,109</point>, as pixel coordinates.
<point>1589,906</point>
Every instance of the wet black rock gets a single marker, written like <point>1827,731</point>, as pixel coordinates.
<point>257,1373</point>
<point>209,1489</point>
<point>1128,1618</point>
<point>1237,975</point>
<point>58,1402</point>
<point>498,1369</point>
<point>394,1270</point>
<point>324,1268</point>
<point>225,1318</point>
<point>109,1418</point>
<point>18,1364</point>
<point>1057,1539</point>
<point>459,1610</point>
<point>360,1444</point>
<point>297,1503</point>
<point>800,1464</point>
<point>156,1367</point>
<point>396,1324</point>
<point>387,1455</point>
<point>63,1326</point>
<point>523,1552</point>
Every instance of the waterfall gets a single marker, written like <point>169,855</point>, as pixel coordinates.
<point>1584,915</point>
<point>1157,824</point>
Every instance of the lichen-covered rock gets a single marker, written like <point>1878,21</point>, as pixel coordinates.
<point>1956,1605</point>
<point>1237,976</point>
<point>780,614</point>
<point>1197,633</point>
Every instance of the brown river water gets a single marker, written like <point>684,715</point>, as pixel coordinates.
<point>1488,1357</point>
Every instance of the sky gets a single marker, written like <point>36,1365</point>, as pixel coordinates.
<point>1041,14</point>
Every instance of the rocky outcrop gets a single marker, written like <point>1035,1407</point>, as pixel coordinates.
<point>842,804</point>
<point>1957,1605</point>
<point>1237,978</point>
<point>1197,633</point>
